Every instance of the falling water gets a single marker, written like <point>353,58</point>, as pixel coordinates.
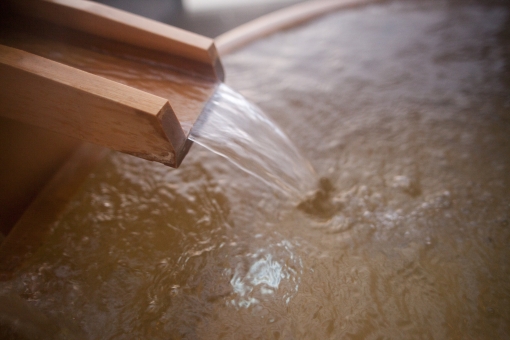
<point>238,130</point>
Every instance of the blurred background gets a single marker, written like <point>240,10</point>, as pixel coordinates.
<point>207,17</point>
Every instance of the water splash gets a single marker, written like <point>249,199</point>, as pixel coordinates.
<point>236,129</point>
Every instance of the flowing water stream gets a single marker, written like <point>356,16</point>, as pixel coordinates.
<point>238,130</point>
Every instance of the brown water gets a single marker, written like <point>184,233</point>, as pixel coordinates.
<point>403,107</point>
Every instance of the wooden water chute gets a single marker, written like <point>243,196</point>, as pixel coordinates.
<point>39,88</point>
<point>32,218</point>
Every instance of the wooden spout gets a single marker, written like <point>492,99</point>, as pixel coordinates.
<point>105,76</point>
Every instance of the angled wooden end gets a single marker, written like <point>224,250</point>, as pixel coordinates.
<point>60,98</point>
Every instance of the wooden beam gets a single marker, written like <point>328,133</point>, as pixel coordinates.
<point>107,22</point>
<point>66,100</point>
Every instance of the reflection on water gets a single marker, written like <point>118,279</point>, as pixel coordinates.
<point>265,272</point>
<point>403,108</point>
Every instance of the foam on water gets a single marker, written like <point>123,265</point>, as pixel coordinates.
<point>238,130</point>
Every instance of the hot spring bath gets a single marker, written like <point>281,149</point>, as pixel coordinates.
<point>403,107</point>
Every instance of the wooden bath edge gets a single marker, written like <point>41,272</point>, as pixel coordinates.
<point>35,224</point>
<point>285,18</point>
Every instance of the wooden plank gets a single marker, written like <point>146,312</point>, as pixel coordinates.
<point>279,20</point>
<point>118,25</point>
<point>66,100</point>
<point>29,157</point>
<point>31,230</point>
